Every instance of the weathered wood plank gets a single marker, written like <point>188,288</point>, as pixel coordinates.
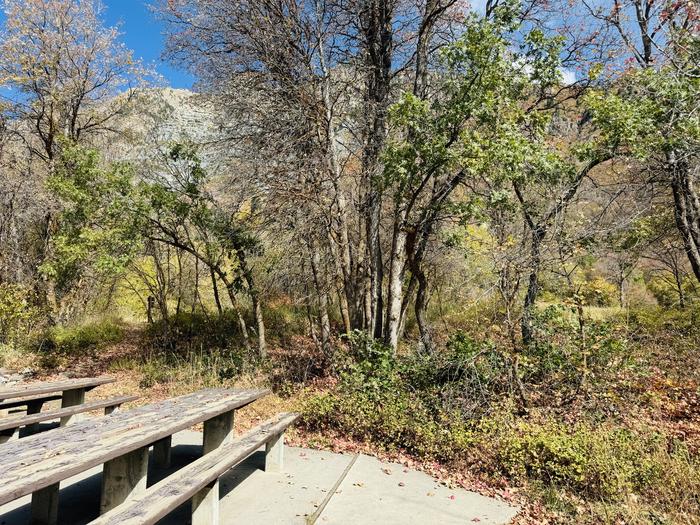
<point>24,420</point>
<point>176,489</point>
<point>274,454</point>
<point>30,464</point>
<point>24,401</point>
<point>123,477</point>
<point>45,506</point>
<point>71,398</point>
<point>217,430</point>
<point>39,388</point>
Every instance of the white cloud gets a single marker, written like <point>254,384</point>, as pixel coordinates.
<point>568,76</point>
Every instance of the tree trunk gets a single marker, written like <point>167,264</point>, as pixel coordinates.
<point>376,22</point>
<point>421,307</point>
<point>533,287</point>
<point>215,287</point>
<point>149,309</point>
<point>396,276</point>
<point>241,321</point>
<point>260,322</point>
<point>621,285</point>
<point>322,294</point>
<point>257,308</point>
<point>687,210</point>
<point>681,293</point>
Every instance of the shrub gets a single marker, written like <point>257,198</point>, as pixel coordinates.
<point>596,462</point>
<point>77,339</point>
<point>393,419</point>
<point>666,293</point>
<point>562,353</point>
<point>455,405</point>
<point>18,314</point>
<point>284,320</point>
<point>598,292</point>
<point>652,321</point>
<point>196,331</point>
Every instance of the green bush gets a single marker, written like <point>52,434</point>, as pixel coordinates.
<point>393,420</point>
<point>283,320</point>
<point>562,353</point>
<point>381,399</point>
<point>197,331</point>
<point>652,321</point>
<point>596,462</point>
<point>77,339</point>
<point>18,314</point>
<point>598,292</point>
<point>666,293</point>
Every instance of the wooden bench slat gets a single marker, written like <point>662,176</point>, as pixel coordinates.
<point>38,461</point>
<point>21,401</point>
<point>38,388</point>
<point>160,499</point>
<point>24,420</point>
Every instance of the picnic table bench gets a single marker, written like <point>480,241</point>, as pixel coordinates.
<point>9,426</point>
<point>33,395</point>
<point>36,465</point>
<point>198,481</point>
<point>34,391</point>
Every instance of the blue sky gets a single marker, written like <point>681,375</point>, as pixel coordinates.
<point>143,34</point>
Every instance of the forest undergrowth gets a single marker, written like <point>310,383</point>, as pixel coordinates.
<point>604,429</point>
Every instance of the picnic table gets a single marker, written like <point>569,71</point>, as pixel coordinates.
<point>37,464</point>
<point>36,389</point>
<point>34,395</point>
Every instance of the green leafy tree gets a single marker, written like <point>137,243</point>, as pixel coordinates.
<point>490,121</point>
<point>652,112</point>
<point>101,223</point>
<point>111,219</point>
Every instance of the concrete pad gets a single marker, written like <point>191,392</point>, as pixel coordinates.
<point>284,498</point>
<point>365,495</point>
<point>380,493</point>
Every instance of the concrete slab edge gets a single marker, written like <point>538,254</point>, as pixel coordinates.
<point>311,520</point>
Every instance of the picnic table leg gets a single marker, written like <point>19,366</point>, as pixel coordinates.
<point>274,454</point>
<point>72,398</point>
<point>45,506</point>
<point>217,431</point>
<point>205,505</point>
<point>7,435</point>
<point>33,407</point>
<point>162,452</point>
<point>122,477</point>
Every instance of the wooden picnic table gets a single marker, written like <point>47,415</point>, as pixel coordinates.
<point>39,388</point>
<point>33,395</point>
<point>37,464</point>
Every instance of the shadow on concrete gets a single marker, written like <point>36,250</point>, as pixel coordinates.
<point>79,498</point>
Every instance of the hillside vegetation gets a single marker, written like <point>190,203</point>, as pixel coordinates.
<point>464,239</point>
